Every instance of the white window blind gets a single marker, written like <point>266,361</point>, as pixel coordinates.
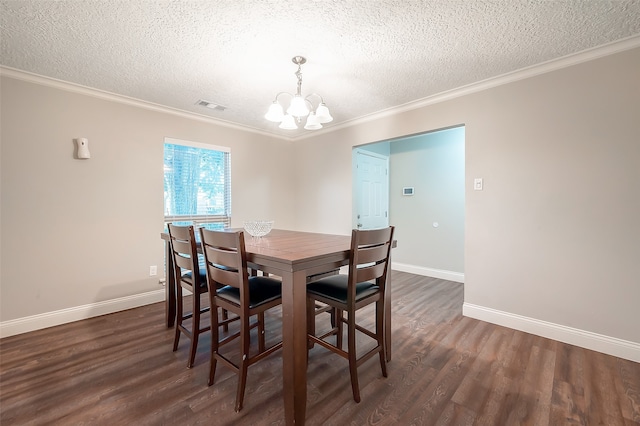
<point>197,184</point>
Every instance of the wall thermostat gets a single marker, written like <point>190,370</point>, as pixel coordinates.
<point>407,190</point>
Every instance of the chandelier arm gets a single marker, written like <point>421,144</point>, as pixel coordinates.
<point>282,93</point>
<point>306,98</point>
<point>310,104</point>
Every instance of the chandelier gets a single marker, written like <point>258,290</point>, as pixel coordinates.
<point>299,107</point>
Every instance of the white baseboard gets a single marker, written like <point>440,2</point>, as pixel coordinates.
<point>428,272</point>
<point>64,316</point>
<point>585,339</point>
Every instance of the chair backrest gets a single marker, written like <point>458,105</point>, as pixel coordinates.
<point>184,252</point>
<point>369,257</point>
<point>225,260</point>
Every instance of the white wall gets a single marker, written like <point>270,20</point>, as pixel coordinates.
<point>552,243</point>
<point>78,233</point>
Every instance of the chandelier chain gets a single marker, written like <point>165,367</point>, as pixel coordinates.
<point>299,75</point>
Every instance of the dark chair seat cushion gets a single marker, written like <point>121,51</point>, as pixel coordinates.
<point>261,290</point>
<point>203,276</point>
<point>335,288</point>
<point>202,281</point>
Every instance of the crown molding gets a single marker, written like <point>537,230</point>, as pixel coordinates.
<point>521,74</point>
<point>532,71</point>
<point>127,100</point>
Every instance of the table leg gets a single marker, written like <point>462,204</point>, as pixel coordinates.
<point>294,346</point>
<point>170,287</point>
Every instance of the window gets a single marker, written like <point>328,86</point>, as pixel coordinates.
<point>197,184</point>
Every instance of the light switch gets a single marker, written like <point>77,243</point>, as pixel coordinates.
<point>477,184</point>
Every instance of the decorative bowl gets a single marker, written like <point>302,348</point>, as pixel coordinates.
<point>258,228</point>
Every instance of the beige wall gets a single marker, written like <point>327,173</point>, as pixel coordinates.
<point>554,236</point>
<point>78,232</point>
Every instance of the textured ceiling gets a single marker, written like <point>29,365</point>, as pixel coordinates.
<point>363,56</point>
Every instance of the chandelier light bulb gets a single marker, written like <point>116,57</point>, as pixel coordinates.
<point>298,107</point>
<point>275,113</point>
<point>288,123</point>
<point>312,122</point>
<point>323,114</point>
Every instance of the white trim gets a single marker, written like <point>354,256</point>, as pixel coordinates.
<point>524,73</point>
<point>363,151</point>
<point>534,70</point>
<point>64,316</point>
<point>585,339</point>
<point>114,97</point>
<point>173,141</point>
<point>428,272</point>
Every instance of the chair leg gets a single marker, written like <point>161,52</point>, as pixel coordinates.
<point>195,327</point>
<point>381,336</point>
<point>339,322</point>
<point>225,316</point>
<point>215,339</point>
<point>176,336</point>
<point>353,366</point>
<point>261,344</point>
<point>179,315</point>
<point>332,312</point>
<point>244,363</point>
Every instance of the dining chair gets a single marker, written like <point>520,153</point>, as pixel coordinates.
<point>245,296</point>
<point>188,276</point>
<point>363,285</point>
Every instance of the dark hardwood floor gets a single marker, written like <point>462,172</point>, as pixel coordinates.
<point>446,369</point>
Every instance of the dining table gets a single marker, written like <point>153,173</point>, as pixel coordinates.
<point>294,256</point>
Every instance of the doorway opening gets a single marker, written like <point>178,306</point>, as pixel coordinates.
<point>425,199</point>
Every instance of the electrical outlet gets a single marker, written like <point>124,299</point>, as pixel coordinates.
<point>153,271</point>
<point>477,184</point>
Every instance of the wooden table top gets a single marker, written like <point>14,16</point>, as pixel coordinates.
<point>295,246</point>
<point>291,250</point>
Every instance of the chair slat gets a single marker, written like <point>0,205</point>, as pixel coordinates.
<point>371,254</point>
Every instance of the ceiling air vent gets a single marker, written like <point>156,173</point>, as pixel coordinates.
<point>211,105</point>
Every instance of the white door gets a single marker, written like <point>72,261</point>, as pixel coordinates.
<point>371,190</point>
